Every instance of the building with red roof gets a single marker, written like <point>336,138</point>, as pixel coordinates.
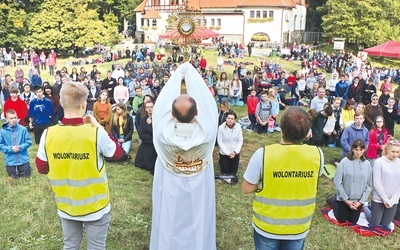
<point>239,21</point>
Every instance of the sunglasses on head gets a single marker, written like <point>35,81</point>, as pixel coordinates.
<point>394,142</point>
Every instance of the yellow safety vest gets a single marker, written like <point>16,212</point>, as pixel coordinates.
<point>285,203</point>
<point>80,188</point>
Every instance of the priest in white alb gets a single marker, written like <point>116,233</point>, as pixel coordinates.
<point>184,132</point>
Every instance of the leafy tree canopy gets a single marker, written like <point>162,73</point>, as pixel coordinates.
<point>13,21</point>
<point>367,22</point>
<point>62,24</point>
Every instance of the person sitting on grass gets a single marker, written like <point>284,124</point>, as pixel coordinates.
<point>230,141</point>
<point>355,131</point>
<point>252,101</point>
<point>386,181</point>
<point>318,125</point>
<point>353,184</point>
<point>274,98</point>
<point>263,113</point>
<point>378,136</point>
<point>122,127</point>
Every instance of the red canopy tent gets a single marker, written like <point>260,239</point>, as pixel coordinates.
<point>200,33</point>
<point>387,49</point>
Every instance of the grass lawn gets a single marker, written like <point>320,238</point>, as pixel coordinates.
<point>29,218</point>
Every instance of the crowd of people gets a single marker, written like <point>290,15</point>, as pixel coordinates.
<point>345,111</point>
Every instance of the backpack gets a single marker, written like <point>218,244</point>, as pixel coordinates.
<point>244,122</point>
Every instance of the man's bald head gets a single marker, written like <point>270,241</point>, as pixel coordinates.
<point>184,108</point>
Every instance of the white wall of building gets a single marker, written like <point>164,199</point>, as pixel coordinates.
<point>235,26</point>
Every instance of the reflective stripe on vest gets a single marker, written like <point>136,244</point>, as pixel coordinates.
<point>79,187</point>
<point>286,202</point>
<point>77,183</point>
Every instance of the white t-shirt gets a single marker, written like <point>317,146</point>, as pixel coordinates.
<point>254,174</point>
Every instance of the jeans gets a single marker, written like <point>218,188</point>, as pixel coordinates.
<point>222,98</point>
<point>96,233</point>
<point>295,101</point>
<point>38,131</point>
<point>263,243</point>
<point>16,172</point>
<point>51,69</point>
<point>126,146</point>
<point>235,100</point>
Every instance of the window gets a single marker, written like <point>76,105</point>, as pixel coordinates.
<point>271,13</point>
<point>154,22</point>
<point>258,14</point>
<point>219,22</point>
<point>147,22</point>
<point>252,14</point>
<point>265,14</point>
<point>142,22</point>
<point>212,22</point>
<point>301,22</point>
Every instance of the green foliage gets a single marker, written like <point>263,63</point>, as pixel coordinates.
<point>57,25</point>
<point>367,22</point>
<point>62,24</point>
<point>13,19</point>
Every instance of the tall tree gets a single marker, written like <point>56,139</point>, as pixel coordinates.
<point>314,14</point>
<point>13,20</point>
<point>366,22</point>
<point>67,23</point>
<point>122,9</point>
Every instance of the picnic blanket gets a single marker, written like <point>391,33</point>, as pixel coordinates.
<point>329,170</point>
<point>396,222</point>
<point>362,227</point>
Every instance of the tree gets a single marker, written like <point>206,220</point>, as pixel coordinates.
<point>314,14</point>
<point>122,9</point>
<point>14,24</point>
<point>367,22</point>
<point>68,23</point>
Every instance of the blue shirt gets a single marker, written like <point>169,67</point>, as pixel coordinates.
<point>41,111</point>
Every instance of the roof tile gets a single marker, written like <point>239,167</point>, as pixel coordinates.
<point>151,14</point>
<point>141,6</point>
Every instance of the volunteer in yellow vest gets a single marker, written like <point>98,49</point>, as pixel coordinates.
<point>71,155</point>
<point>284,178</point>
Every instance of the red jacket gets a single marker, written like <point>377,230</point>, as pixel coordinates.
<point>252,102</point>
<point>20,108</point>
<point>373,145</point>
<point>291,80</point>
<point>203,63</point>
